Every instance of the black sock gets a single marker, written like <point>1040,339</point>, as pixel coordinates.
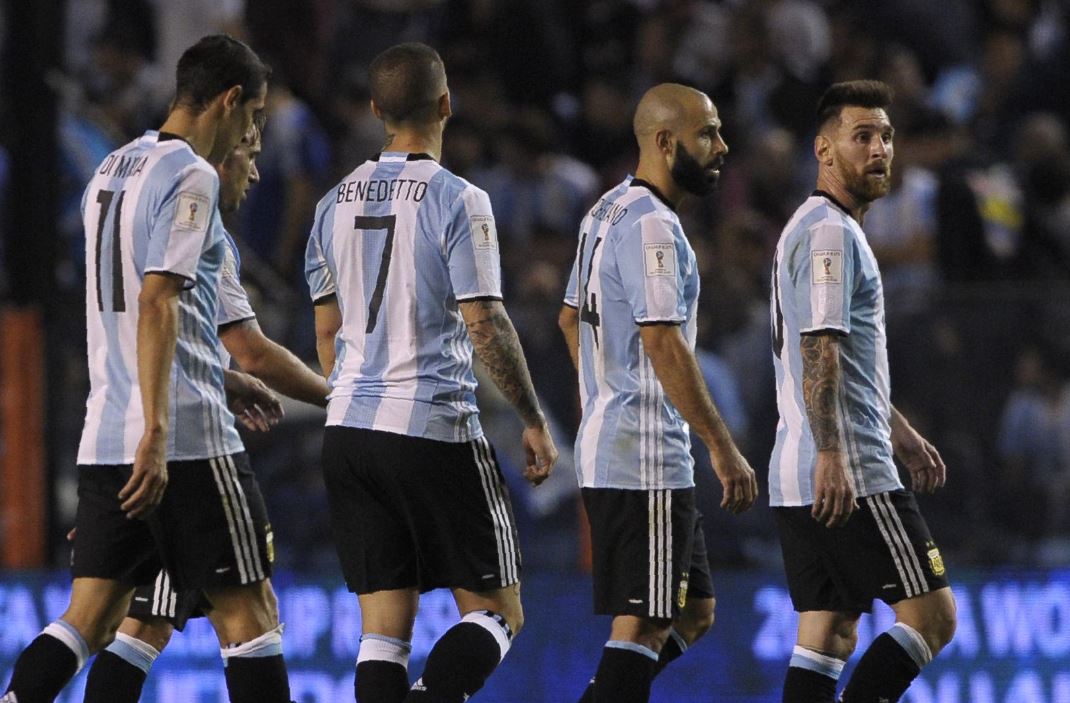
<point>624,674</point>
<point>811,677</point>
<point>806,686</point>
<point>48,664</point>
<point>674,647</point>
<point>257,679</point>
<point>462,659</point>
<point>884,673</point>
<point>381,682</point>
<point>112,679</point>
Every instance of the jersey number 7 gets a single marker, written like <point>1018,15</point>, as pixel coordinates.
<point>365,222</point>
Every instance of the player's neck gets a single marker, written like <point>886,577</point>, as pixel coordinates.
<point>199,132</point>
<point>412,141</point>
<point>663,181</point>
<point>856,208</point>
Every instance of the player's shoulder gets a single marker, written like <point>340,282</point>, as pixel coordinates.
<point>818,214</point>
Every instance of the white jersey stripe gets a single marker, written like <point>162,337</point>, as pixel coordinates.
<point>893,546</point>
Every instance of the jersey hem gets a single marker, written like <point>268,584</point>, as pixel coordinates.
<point>825,328</point>
<point>190,280</point>
<point>236,320</point>
<point>802,504</point>
<point>404,432</point>
<point>178,457</point>
<point>473,298</point>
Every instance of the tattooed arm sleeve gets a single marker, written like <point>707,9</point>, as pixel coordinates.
<point>821,382</point>
<point>498,347</point>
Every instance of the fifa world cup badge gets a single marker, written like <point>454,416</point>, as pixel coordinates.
<point>936,562</point>
<point>681,594</point>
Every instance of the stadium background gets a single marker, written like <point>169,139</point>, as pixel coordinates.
<point>974,244</point>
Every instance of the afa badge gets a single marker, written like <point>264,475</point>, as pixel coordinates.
<point>936,562</point>
<point>681,593</point>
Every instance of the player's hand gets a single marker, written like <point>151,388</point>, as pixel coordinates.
<point>540,451</point>
<point>739,484</point>
<point>144,490</point>
<point>252,402</point>
<point>834,494</point>
<point>927,470</point>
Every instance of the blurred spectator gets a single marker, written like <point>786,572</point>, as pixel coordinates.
<point>121,83</point>
<point>359,133</point>
<point>901,227</point>
<point>1042,162</point>
<point>532,184</point>
<point>1034,445</point>
<point>294,174</point>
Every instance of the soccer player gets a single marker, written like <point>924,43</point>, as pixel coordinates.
<point>848,530</point>
<point>119,672</point>
<point>157,414</point>
<point>629,322</point>
<point>403,267</point>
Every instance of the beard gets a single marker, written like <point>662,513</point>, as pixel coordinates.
<point>865,187</point>
<point>692,176</point>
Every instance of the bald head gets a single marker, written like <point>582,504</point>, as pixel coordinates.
<point>667,106</point>
<point>406,82</point>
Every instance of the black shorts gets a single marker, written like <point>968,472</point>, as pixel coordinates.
<point>160,600</point>
<point>649,553</point>
<point>409,512</point>
<point>210,529</point>
<point>884,551</point>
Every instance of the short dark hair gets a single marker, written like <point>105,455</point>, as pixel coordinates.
<point>871,94</point>
<point>406,82</point>
<point>214,65</point>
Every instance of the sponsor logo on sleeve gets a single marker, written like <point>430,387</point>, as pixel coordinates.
<point>826,266</point>
<point>192,212</point>
<point>484,235</point>
<point>660,259</point>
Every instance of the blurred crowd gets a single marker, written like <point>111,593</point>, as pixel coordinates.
<point>973,240</point>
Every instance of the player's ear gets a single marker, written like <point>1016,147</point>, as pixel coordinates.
<point>823,150</point>
<point>375,110</point>
<point>665,142</point>
<point>445,109</point>
<point>232,97</point>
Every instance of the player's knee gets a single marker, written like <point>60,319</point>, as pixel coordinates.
<point>155,632</point>
<point>844,639</point>
<point>514,616</point>
<point>940,627</point>
<point>696,619</point>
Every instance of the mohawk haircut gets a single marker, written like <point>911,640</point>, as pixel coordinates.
<point>406,82</point>
<point>216,64</point>
<point>869,94</point>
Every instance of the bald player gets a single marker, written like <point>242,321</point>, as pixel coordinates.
<point>629,322</point>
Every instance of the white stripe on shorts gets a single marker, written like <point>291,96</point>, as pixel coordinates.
<point>898,545</point>
<point>499,512</point>
<point>913,565</point>
<point>659,503</point>
<point>239,520</point>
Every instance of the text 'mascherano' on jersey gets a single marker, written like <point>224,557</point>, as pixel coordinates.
<point>151,207</point>
<point>400,241</point>
<point>633,266</point>
<point>825,278</point>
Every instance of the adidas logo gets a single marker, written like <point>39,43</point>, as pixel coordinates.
<point>9,698</point>
<point>418,686</point>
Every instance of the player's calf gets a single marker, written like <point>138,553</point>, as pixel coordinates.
<point>246,621</point>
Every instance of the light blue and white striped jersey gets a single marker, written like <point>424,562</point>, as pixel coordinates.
<point>234,303</point>
<point>825,277</point>
<point>401,241</point>
<point>633,266</point>
<point>151,207</point>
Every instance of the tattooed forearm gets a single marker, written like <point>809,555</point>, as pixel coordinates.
<point>498,347</point>
<point>821,379</point>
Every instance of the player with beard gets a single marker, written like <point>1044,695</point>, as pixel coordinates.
<point>838,431</point>
<point>629,322</point>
